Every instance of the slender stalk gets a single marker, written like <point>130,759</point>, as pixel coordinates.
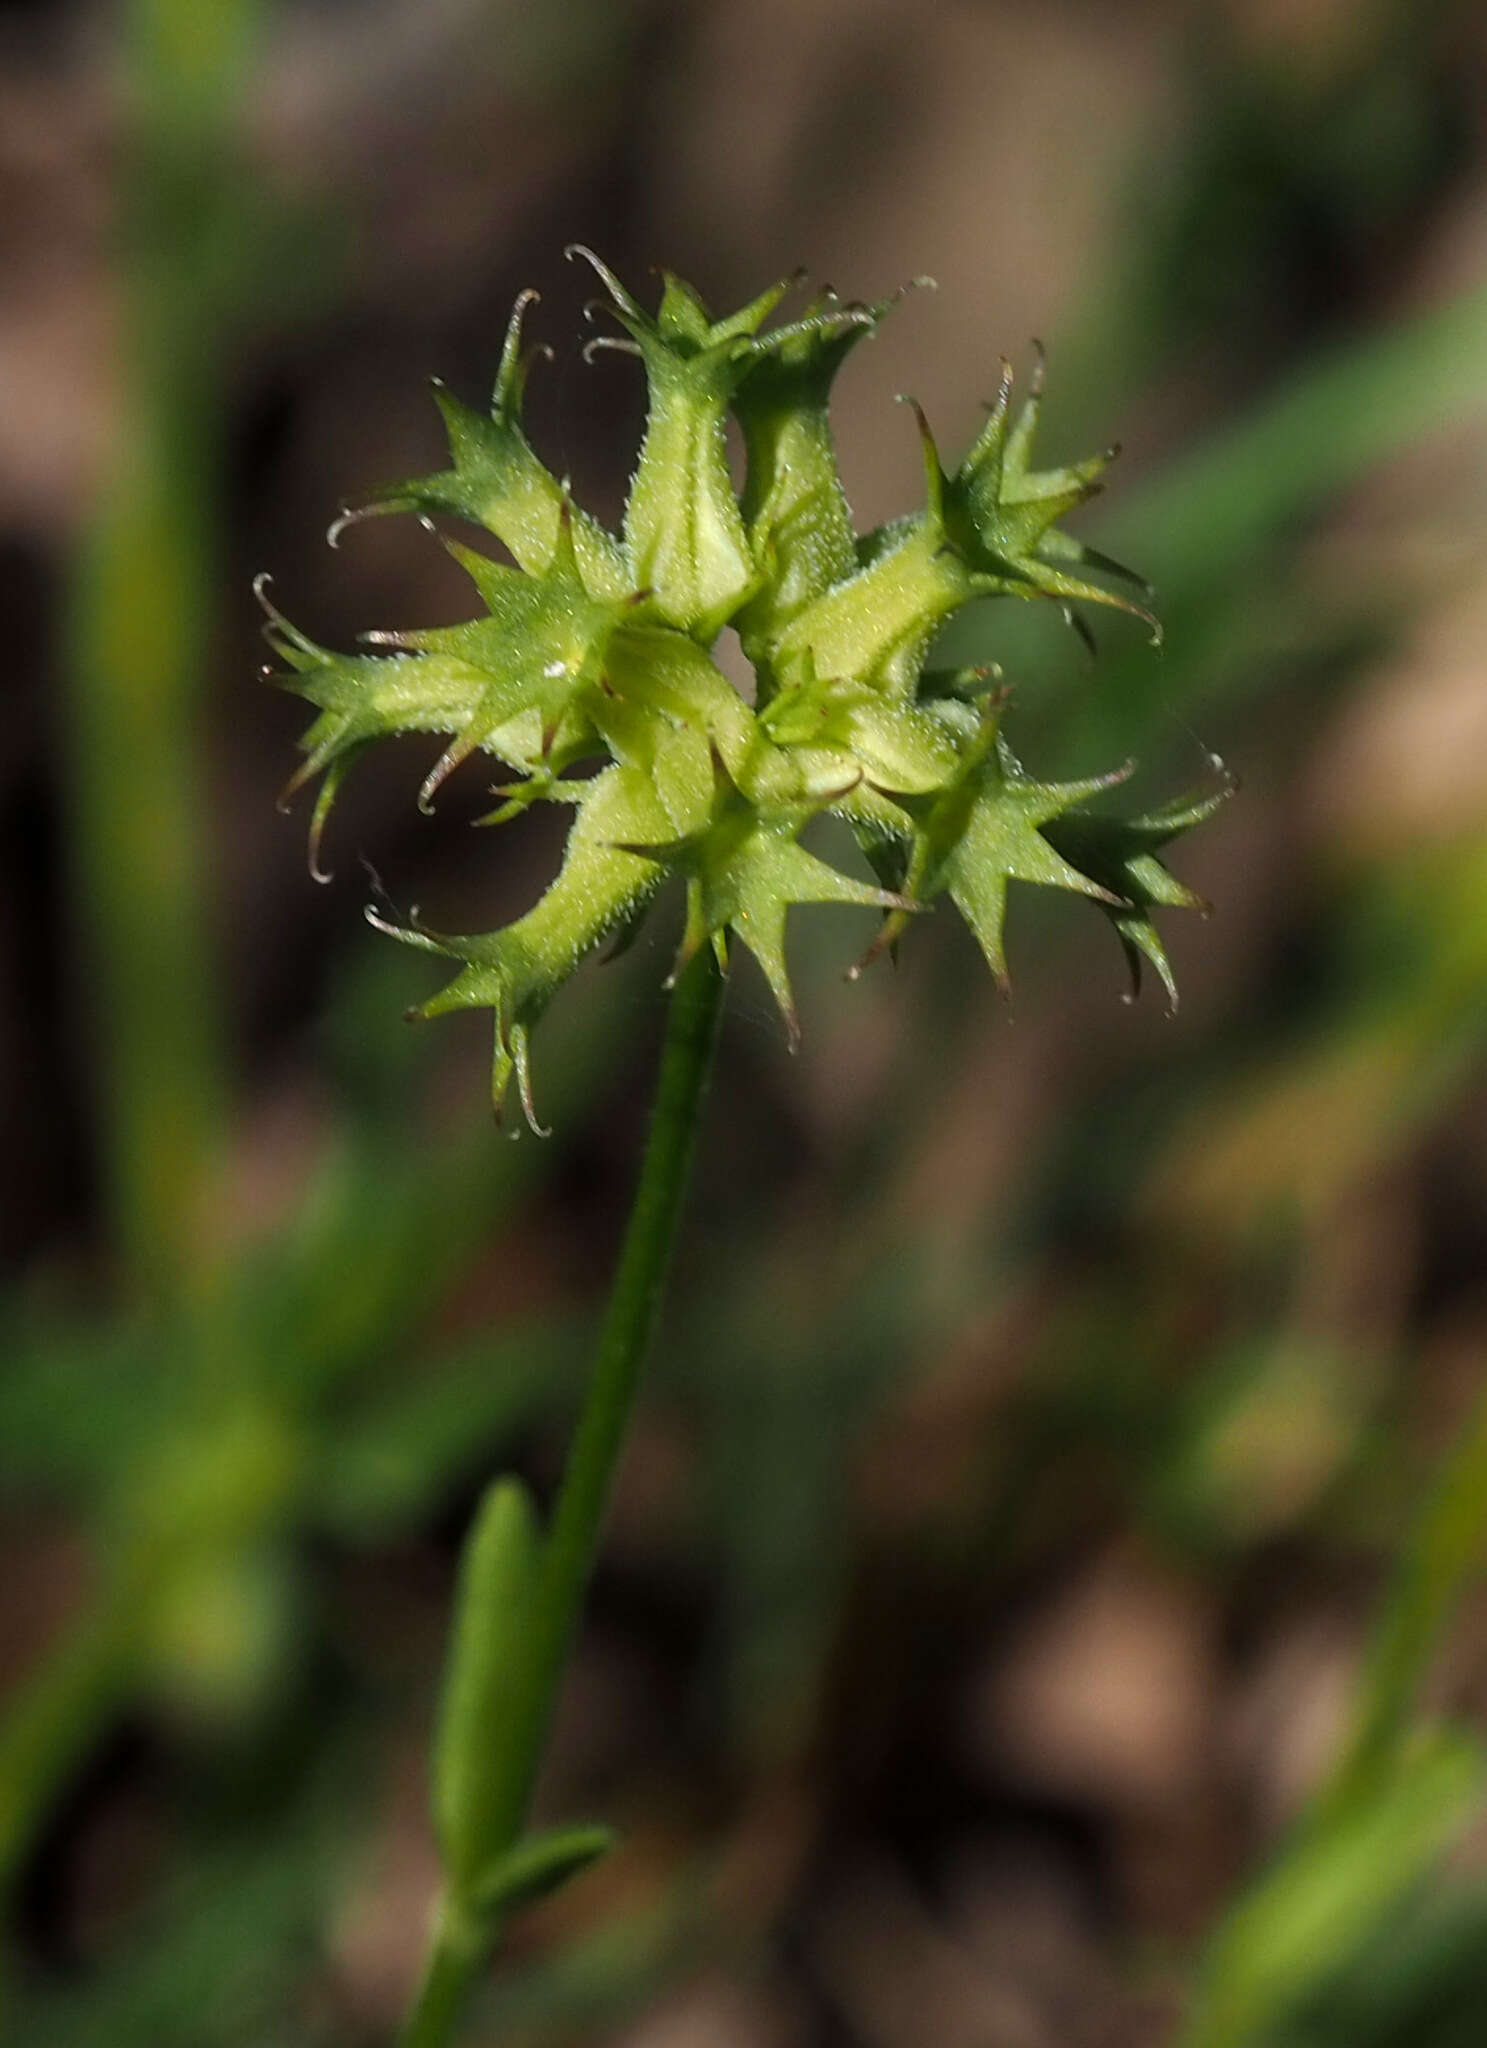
<point>455,1956</point>
<point>460,1946</point>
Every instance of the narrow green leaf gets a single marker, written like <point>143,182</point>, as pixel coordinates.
<point>1442,1556</point>
<point>482,1676</point>
<point>540,1865</point>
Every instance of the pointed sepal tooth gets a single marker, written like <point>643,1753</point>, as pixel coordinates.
<point>990,828</point>
<point>686,539</point>
<point>934,475</point>
<point>516,362</point>
<point>1122,854</point>
<point>325,798</point>
<point>495,480</point>
<point>1002,515</point>
<point>795,508</point>
<point>619,296</point>
<point>744,870</point>
<point>516,971</point>
<point>359,698</point>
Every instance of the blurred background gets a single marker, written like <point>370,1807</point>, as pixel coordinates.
<point>1041,1607</point>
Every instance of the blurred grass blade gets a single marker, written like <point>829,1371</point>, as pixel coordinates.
<point>53,1718</point>
<point>402,1447</point>
<point>141,607</point>
<point>1214,511</point>
<point>1446,1550</point>
<point>216,1957</point>
<point>1330,1893</point>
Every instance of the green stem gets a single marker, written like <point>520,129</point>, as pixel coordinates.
<point>457,1952</point>
<point>455,1956</point>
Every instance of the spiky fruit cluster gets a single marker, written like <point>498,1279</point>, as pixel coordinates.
<point>588,670</point>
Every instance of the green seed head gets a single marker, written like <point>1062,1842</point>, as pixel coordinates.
<point>587,672</point>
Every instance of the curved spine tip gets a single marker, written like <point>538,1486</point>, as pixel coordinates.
<point>516,1051</point>
<point>452,757</point>
<point>352,515</point>
<point>616,344</point>
<point>617,292</point>
<point>276,620</point>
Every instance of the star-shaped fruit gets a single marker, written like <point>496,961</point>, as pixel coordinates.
<point>744,868</point>
<point>1121,854</point>
<point>988,830</point>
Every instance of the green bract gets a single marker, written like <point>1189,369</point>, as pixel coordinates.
<point>587,671</point>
